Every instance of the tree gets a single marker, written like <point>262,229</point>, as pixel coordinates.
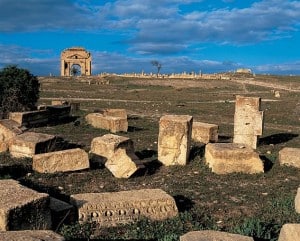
<point>19,90</point>
<point>158,65</point>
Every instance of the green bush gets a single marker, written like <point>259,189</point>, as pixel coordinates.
<point>19,90</point>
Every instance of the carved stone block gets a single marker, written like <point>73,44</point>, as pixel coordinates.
<point>30,143</point>
<point>23,208</point>
<point>225,158</point>
<point>30,235</point>
<point>290,232</point>
<point>205,132</point>
<point>211,235</point>
<point>110,209</point>
<point>290,157</point>
<point>174,139</point>
<point>61,161</point>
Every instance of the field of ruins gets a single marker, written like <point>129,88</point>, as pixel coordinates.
<point>255,205</point>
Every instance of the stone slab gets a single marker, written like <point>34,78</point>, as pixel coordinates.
<point>205,132</point>
<point>297,201</point>
<point>289,232</point>
<point>22,208</point>
<point>211,235</point>
<point>225,158</point>
<point>174,139</point>
<point>290,157</point>
<point>110,209</point>
<point>61,161</point>
<point>31,143</point>
<point>30,235</point>
<point>8,130</point>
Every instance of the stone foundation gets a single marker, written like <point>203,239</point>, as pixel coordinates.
<point>290,157</point>
<point>289,232</point>
<point>110,209</point>
<point>225,158</point>
<point>22,208</point>
<point>204,132</point>
<point>211,235</point>
<point>174,139</point>
<point>61,161</point>
<point>30,235</point>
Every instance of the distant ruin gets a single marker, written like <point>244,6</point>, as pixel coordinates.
<point>76,57</point>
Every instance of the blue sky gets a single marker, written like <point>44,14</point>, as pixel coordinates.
<point>126,35</point>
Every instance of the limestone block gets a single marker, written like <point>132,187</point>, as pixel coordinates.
<point>290,157</point>
<point>174,139</point>
<point>122,164</point>
<point>61,161</point>
<point>225,158</point>
<point>114,112</point>
<point>107,145</point>
<point>248,121</point>
<point>8,130</point>
<point>30,143</point>
<point>30,235</point>
<point>111,123</point>
<point>59,102</point>
<point>297,201</point>
<point>30,118</point>
<point>110,209</point>
<point>23,208</point>
<point>210,235</point>
<point>289,232</point>
<point>205,132</point>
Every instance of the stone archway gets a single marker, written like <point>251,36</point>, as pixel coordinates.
<point>75,56</point>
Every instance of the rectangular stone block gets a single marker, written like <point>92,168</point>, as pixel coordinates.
<point>8,130</point>
<point>59,102</point>
<point>23,208</point>
<point>31,143</point>
<point>30,118</point>
<point>297,201</point>
<point>110,209</point>
<point>122,113</point>
<point>61,161</point>
<point>31,235</point>
<point>205,132</point>
<point>289,232</point>
<point>290,157</point>
<point>174,139</point>
<point>225,158</point>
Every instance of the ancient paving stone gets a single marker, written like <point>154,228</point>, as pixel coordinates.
<point>22,208</point>
<point>225,158</point>
<point>8,130</point>
<point>110,209</point>
<point>290,232</point>
<point>248,121</point>
<point>210,235</point>
<point>174,139</point>
<point>205,132</point>
<point>61,161</point>
<point>290,157</point>
<point>30,235</point>
<point>297,201</point>
<point>30,143</point>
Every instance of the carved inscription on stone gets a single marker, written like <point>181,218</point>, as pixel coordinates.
<point>109,209</point>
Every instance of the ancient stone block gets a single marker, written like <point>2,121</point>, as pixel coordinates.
<point>107,145</point>
<point>111,123</point>
<point>290,157</point>
<point>122,113</point>
<point>23,208</point>
<point>59,102</point>
<point>30,143</point>
<point>289,232</point>
<point>174,139</point>
<point>211,235</point>
<point>204,132</point>
<point>30,118</point>
<point>61,161</point>
<point>31,235</point>
<point>109,209</point>
<point>297,201</point>
<point>248,121</point>
<point>8,130</point>
<point>225,158</point>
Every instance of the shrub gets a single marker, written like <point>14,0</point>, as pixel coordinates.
<point>19,90</point>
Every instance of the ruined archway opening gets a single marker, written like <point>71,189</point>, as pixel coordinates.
<point>75,70</point>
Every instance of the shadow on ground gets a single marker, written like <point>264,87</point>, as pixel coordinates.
<point>277,138</point>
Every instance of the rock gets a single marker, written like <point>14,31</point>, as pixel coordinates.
<point>289,232</point>
<point>205,132</point>
<point>290,157</point>
<point>297,201</point>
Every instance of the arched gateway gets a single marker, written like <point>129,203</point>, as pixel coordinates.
<point>76,56</point>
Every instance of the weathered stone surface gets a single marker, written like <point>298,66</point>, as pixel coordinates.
<point>174,139</point>
<point>111,123</point>
<point>297,201</point>
<point>122,164</point>
<point>122,113</point>
<point>225,158</point>
<point>23,208</point>
<point>61,161</point>
<point>30,235</point>
<point>248,121</point>
<point>290,232</point>
<point>210,235</point>
<point>290,157</point>
<point>59,102</point>
<point>30,143</point>
<point>205,132</point>
<point>8,130</point>
<point>109,209</point>
<point>108,144</point>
